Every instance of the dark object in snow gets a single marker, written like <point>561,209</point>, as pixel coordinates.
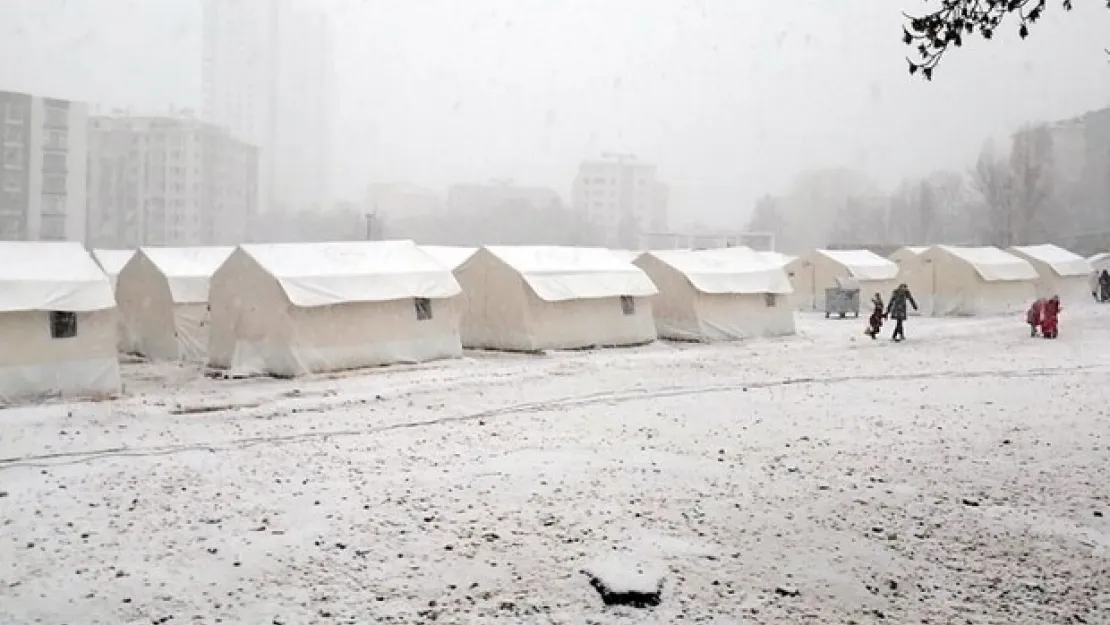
<point>628,585</point>
<point>787,591</point>
<point>970,502</point>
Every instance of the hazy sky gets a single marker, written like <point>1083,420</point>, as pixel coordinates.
<point>730,98</point>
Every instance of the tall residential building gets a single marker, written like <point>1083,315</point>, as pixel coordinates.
<point>42,168</point>
<point>168,181</point>
<point>267,77</point>
<point>621,196</point>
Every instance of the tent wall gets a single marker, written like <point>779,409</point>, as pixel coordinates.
<point>960,291</point>
<point>152,324</point>
<point>1049,283</point>
<point>255,330</point>
<point>683,313</point>
<point>916,272</point>
<point>812,273</point>
<point>33,365</point>
<point>500,311</point>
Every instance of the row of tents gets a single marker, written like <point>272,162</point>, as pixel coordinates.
<point>299,308</point>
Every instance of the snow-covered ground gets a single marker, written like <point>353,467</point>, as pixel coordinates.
<point>827,478</point>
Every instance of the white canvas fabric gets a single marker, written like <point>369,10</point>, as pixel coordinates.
<point>863,265</point>
<point>917,275</point>
<point>1100,261</point>
<point>323,274</point>
<point>449,256</point>
<point>163,301</point>
<point>531,299</point>
<point>112,262</point>
<point>302,308</point>
<point>187,269</point>
<point>49,276</point>
<point>970,281</point>
<point>778,258</point>
<point>718,295</point>
<point>628,255</point>
<point>558,274</point>
<point>37,279</point>
<point>1059,272</point>
<point>818,270</point>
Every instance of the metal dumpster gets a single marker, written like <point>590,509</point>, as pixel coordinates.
<point>842,298</point>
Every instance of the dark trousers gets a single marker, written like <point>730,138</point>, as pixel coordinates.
<point>899,331</point>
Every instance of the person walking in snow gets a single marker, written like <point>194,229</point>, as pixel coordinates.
<point>1104,286</point>
<point>875,322</point>
<point>1050,318</point>
<point>1034,314</point>
<point>896,310</point>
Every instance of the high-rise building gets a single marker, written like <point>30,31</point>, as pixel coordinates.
<point>621,196</point>
<point>168,181</point>
<point>267,77</point>
<point>42,168</point>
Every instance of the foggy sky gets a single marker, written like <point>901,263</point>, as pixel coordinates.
<point>730,99</point>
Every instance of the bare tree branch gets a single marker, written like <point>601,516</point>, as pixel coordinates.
<point>931,35</point>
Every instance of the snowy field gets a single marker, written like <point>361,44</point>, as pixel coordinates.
<point>960,477</point>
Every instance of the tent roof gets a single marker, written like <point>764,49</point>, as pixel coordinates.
<point>778,258</point>
<point>112,261</point>
<point>992,264</point>
<point>46,276</point>
<point>188,270</point>
<point>863,264</point>
<point>727,270</point>
<point>1061,261</point>
<point>558,274</point>
<point>323,274</point>
<point>629,255</point>
<point>1100,261</point>
<point>449,256</point>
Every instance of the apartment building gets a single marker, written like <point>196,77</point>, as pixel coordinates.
<point>621,196</point>
<point>168,181</point>
<point>267,76</point>
<point>42,168</point>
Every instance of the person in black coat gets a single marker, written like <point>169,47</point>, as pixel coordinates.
<point>896,310</point>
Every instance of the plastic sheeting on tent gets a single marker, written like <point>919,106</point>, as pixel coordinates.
<point>289,309</point>
<point>112,262</point>
<point>57,328</point>
<point>163,301</point>
<point>449,256</point>
<point>812,273</point>
<point>917,275</point>
<point>979,281</point>
<point>536,298</point>
<point>718,295</point>
<point>1059,272</point>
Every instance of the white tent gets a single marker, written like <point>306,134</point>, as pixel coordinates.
<point>57,328</point>
<point>112,262</point>
<point>979,281</point>
<point>915,274</point>
<point>628,255</point>
<point>289,309</point>
<point>812,273</point>
<point>1059,272</point>
<point>449,256</point>
<point>536,298</point>
<point>163,299</point>
<point>1099,262</point>
<point>718,295</point>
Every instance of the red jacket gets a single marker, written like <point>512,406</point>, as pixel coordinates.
<point>1033,315</point>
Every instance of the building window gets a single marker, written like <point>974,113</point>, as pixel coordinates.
<point>12,182</point>
<point>63,325</point>
<point>54,162</point>
<point>13,157</point>
<point>13,133</point>
<point>56,140</point>
<point>628,304</point>
<point>55,117</point>
<point>54,205</point>
<point>423,309</point>
<point>54,183</point>
<point>770,299</point>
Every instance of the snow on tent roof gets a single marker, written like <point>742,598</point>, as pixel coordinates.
<point>188,270</point>
<point>112,261</point>
<point>728,270</point>
<point>48,276</point>
<point>1098,258</point>
<point>863,264</point>
<point>558,274</point>
<point>992,264</point>
<point>1061,261</point>
<point>323,274</point>
<point>449,256</point>
<point>778,258</point>
<point>629,255</point>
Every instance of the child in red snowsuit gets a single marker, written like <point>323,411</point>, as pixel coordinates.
<point>1050,318</point>
<point>1034,315</point>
